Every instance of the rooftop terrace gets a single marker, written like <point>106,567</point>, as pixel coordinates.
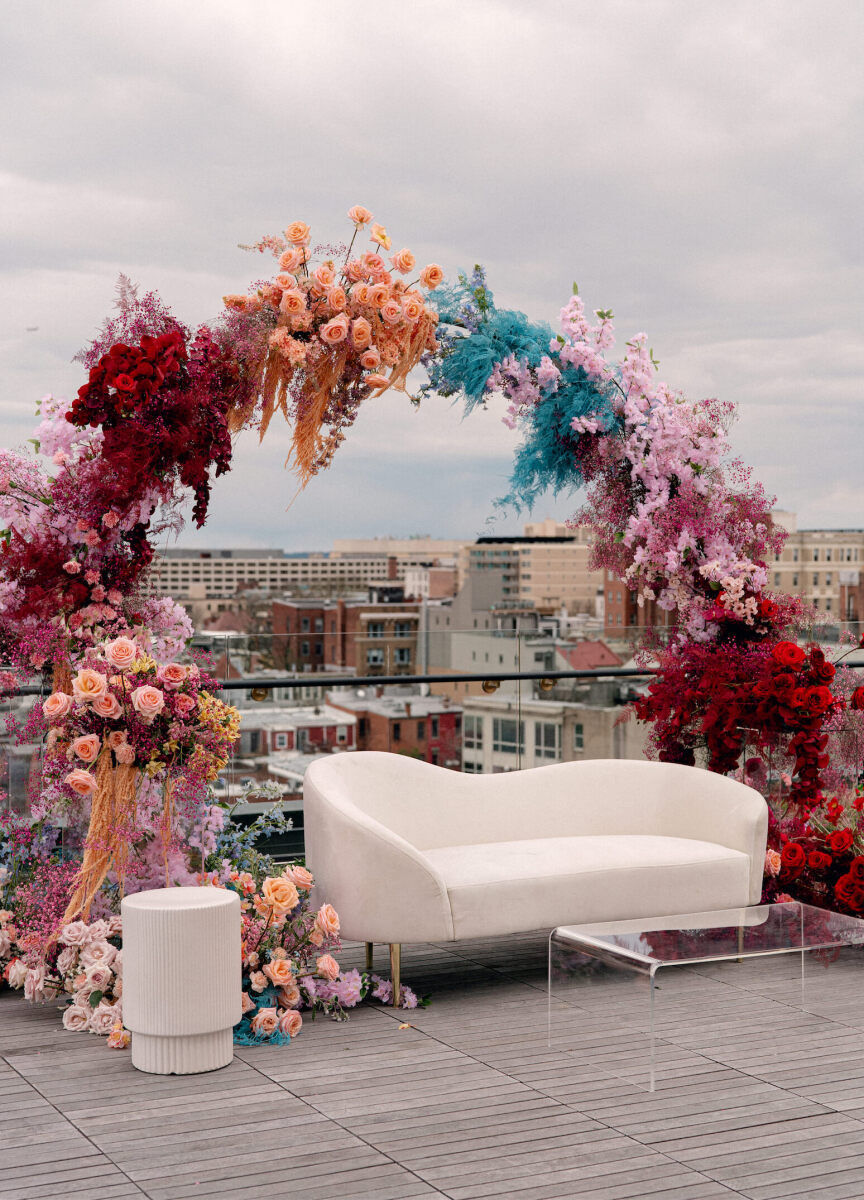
<point>755,1098</point>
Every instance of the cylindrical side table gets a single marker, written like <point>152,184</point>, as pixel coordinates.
<point>181,978</point>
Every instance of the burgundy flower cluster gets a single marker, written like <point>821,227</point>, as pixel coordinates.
<point>126,378</point>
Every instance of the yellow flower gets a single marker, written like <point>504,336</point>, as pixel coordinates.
<point>143,663</point>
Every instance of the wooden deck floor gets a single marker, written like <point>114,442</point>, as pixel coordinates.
<point>755,1098</point>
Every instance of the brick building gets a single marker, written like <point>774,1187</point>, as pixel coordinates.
<point>358,637</point>
<point>425,727</point>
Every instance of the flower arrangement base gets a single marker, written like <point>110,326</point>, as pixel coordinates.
<point>181,978</point>
<point>188,1055</point>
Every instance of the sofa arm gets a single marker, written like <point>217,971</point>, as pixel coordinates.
<point>381,886</point>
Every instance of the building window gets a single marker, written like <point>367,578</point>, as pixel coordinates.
<point>794,580</point>
<point>828,579</point>
<point>403,656</point>
<point>319,624</point>
<point>304,649</point>
<point>362,727</point>
<point>816,554</point>
<point>374,658</point>
<point>402,629</point>
<point>434,732</point>
<point>578,738</point>
<point>816,579</point>
<point>827,605</point>
<point>794,555</point>
<point>828,555</point>
<point>421,730</point>
<point>304,625</point>
<point>280,741</point>
<point>508,736</point>
<point>547,740</point>
<point>376,629</point>
<point>472,732</point>
<point>433,757</point>
<point>776,578</point>
<point>341,733</point>
<point>472,768</point>
<point>397,731</point>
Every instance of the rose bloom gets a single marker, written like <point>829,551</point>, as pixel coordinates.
<point>86,747</point>
<point>359,215</point>
<point>88,684</point>
<point>431,276</point>
<point>265,1021</point>
<point>334,331</point>
<point>289,995</point>
<point>377,381</point>
<point>16,973</point>
<point>379,295</point>
<point>772,862</point>
<point>258,981</point>
<point>99,976</point>
<point>336,298</point>
<point>98,931</point>
<point>370,359</point>
<point>248,1003</point>
<point>57,706</point>
<point>361,333</point>
<point>360,293</point>
<point>297,233</point>
<point>403,261</point>
<point>379,234</point>
<point>72,567</point>
<point>67,960</point>
<point>76,933</point>
<point>324,275</point>
<point>121,653</point>
<point>148,702</point>
<point>184,704</point>
<point>412,307</point>
<point>291,259</point>
<point>98,953</point>
<point>81,782</point>
<point>280,893</point>
<point>119,1038</point>
<point>107,707</point>
<point>279,972</point>
<point>290,1023</point>
<point>116,738</point>
<point>103,1018</point>
<point>300,877</point>
<point>172,675</point>
<point>327,967</point>
<point>293,302</point>
<point>391,312</point>
<point>76,1018</point>
<point>34,984</point>
<point>327,920</point>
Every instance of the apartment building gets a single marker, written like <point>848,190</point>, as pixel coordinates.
<point>374,637</point>
<point>425,727</point>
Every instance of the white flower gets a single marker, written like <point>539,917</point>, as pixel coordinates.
<point>103,1018</point>
<point>17,973</point>
<point>76,1017</point>
<point>98,952</point>
<point>67,960</point>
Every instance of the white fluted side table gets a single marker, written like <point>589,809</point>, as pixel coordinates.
<point>181,978</point>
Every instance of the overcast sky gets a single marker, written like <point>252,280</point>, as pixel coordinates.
<point>696,166</point>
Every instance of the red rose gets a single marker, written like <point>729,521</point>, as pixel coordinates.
<point>819,860</point>
<point>792,859</point>
<point>857,699</point>
<point>783,682</point>
<point>840,840</point>
<point>124,383</point>
<point>824,670</point>
<point>856,868</point>
<point>849,891</point>
<point>819,699</point>
<point>788,654</point>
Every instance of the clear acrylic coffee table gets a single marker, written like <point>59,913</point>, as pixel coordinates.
<point>609,974</point>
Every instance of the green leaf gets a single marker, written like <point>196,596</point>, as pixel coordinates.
<point>619,535</point>
<point>35,442</point>
<point>559,338</point>
<point>95,997</point>
<point>575,288</point>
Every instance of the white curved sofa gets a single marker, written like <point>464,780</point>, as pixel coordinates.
<point>409,852</point>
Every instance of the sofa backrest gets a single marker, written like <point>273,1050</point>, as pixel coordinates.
<point>431,807</point>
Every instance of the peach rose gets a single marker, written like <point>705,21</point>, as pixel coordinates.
<point>76,1017</point>
<point>290,1023</point>
<point>88,684</point>
<point>291,259</point>
<point>172,675</point>
<point>334,331</point>
<point>361,333</point>
<point>360,293</point>
<point>117,738</point>
<point>107,707</point>
<point>119,1038</point>
<point>265,1021</point>
<point>336,298</point>
<point>257,981</point>
<point>289,995</point>
<point>103,1018</point>
<point>286,281</point>
<point>359,215</point>
<point>327,920</point>
<point>379,295</point>
<point>293,302</point>
<point>370,359</point>
<point>377,381</point>
<point>327,967</point>
<point>379,234</point>
<point>57,706</point>
<point>148,702</point>
<point>248,1003</point>
<point>391,312</point>
<point>185,704</point>
<point>86,747</point>
<point>280,893</point>
<point>76,933</point>
<point>412,307</point>
<point>773,862</point>
<point>324,274</point>
<point>297,233</point>
<point>279,972</point>
<point>300,877</point>
<point>432,276</point>
<point>121,653</point>
<point>403,261</point>
<point>81,782</point>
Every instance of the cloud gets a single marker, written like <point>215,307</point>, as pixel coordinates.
<point>693,166</point>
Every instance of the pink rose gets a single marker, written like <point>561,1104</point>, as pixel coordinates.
<point>81,782</point>
<point>67,960</point>
<point>279,972</point>
<point>116,738</point>
<point>172,675</point>
<point>99,976</point>
<point>403,261</point>
<point>412,307</point>
<point>379,234</point>
<point>119,1038</point>
<point>290,1023</point>
<point>248,1003</point>
<point>121,653</point>
<point>289,995</point>
<point>148,702</point>
<point>115,925</point>
<point>334,331</point>
<point>57,706</point>
<point>88,684</point>
<point>361,333</point>
<point>300,877</point>
<point>324,275</point>
<point>265,1021</point>
<point>359,215</point>
<point>98,954</point>
<point>258,981</point>
<point>184,704</point>
<point>327,967</point>
<point>107,707</point>
<point>76,1018</point>
<point>391,312</point>
<point>72,567</point>
<point>76,933</point>
<point>103,1018</point>
<point>376,381</point>
<point>291,259</point>
<point>336,298</point>
<point>293,302</point>
<point>431,276</point>
<point>379,295</point>
<point>125,754</point>
<point>370,359</point>
<point>773,862</point>
<point>34,984</point>
<point>360,293</point>
<point>327,920</point>
<point>297,233</point>
<point>16,973</point>
<point>86,747</point>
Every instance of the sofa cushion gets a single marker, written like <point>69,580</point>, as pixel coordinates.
<point>508,887</point>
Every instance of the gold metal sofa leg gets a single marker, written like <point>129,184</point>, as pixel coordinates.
<point>396,971</point>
